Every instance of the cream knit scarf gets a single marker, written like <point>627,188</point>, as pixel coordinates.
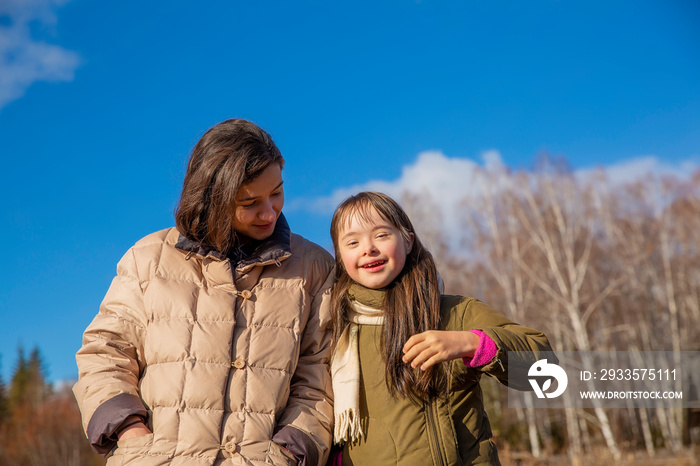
<point>365,309</point>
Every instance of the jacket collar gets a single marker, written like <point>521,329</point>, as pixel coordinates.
<point>273,249</point>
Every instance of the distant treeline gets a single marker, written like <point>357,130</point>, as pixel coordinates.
<point>40,426</point>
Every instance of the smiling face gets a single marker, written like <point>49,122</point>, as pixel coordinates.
<point>259,203</point>
<point>372,250</point>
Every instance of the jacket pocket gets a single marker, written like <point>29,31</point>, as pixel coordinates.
<point>131,450</point>
<point>279,456</point>
<point>488,454</point>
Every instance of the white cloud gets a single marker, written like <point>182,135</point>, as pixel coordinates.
<point>433,173</point>
<point>25,60</point>
<point>451,181</point>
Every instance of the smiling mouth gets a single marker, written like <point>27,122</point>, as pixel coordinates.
<point>374,264</point>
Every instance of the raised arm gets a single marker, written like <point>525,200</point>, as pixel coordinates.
<point>517,347</point>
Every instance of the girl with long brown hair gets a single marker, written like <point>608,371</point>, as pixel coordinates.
<point>211,345</point>
<point>407,360</point>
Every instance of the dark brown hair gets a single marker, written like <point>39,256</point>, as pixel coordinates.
<point>412,301</point>
<point>229,155</point>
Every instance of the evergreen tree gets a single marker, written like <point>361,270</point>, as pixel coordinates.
<point>39,389</point>
<point>20,379</point>
<point>28,385</point>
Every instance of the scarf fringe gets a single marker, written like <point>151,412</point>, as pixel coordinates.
<point>347,427</point>
<point>345,370</point>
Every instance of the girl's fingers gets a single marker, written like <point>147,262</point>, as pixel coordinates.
<point>414,351</point>
<point>413,347</point>
<point>424,339</point>
<point>430,362</point>
<point>424,355</point>
<point>428,348</point>
<point>412,341</point>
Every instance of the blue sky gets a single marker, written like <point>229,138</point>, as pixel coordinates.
<point>101,102</point>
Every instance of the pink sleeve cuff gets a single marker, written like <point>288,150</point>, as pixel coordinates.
<point>485,353</point>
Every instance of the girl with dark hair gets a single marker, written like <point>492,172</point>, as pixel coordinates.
<point>407,360</point>
<point>211,346</point>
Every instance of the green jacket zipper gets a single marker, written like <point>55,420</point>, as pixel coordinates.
<point>433,433</point>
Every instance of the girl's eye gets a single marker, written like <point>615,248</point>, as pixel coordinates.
<point>351,244</point>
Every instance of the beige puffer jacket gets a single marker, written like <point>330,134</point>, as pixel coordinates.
<point>224,370</point>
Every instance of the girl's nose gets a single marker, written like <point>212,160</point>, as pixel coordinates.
<point>370,248</point>
<point>267,212</point>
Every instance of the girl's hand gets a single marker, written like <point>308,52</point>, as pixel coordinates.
<point>434,346</point>
<point>136,430</point>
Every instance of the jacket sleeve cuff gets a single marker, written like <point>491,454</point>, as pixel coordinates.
<point>298,444</point>
<point>107,419</point>
<point>485,352</point>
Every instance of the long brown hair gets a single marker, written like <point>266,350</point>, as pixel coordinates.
<point>229,155</point>
<point>412,300</point>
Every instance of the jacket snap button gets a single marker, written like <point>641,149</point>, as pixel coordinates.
<point>246,294</point>
<point>239,363</point>
<point>230,447</point>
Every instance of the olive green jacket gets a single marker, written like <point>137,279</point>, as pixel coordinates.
<point>452,430</point>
